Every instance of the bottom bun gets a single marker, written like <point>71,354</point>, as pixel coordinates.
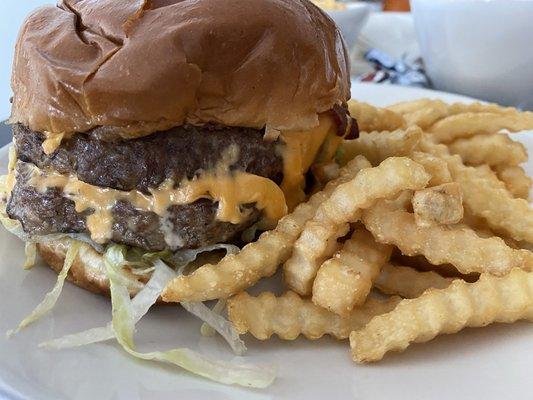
<point>88,270</point>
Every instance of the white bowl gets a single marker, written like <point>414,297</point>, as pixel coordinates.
<point>350,21</point>
<point>481,48</point>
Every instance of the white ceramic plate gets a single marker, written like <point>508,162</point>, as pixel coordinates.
<point>490,363</point>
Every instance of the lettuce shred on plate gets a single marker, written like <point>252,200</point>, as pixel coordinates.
<point>123,325</point>
<point>141,303</point>
<point>51,297</point>
<point>206,329</point>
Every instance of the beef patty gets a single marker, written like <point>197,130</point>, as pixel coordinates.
<point>146,162</point>
<point>141,164</point>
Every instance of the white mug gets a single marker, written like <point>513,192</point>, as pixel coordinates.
<point>480,48</point>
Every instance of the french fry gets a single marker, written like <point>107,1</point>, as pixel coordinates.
<point>470,124</point>
<point>420,263</point>
<point>485,172</point>
<point>478,224</point>
<point>318,238</point>
<point>454,244</point>
<point>491,299</point>
<point>236,272</point>
<point>483,197</point>
<point>426,112</point>
<point>290,316</point>
<point>370,118</point>
<point>460,108</point>
<point>405,107</point>
<point>435,166</point>
<point>442,205</point>
<point>323,173</point>
<point>493,150</point>
<point>407,282</point>
<point>503,213</point>
<point>516,181</point>
<point>344,281</point>
<point>377,146</point>
<point>422,113</point>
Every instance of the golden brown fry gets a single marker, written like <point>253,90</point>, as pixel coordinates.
<point>516,181</point>
<point>460,108</point>
<point>494,150</point>
<point>478,224</point>
<point>435,166</point>
<point>491,299</point>
<point>344,281</point>
<point>410,106</point>
<point>485,172</point>
<point>289,316</point>
<point>471,124</point>
<point>422,113</point>
<point>426,112</point>
<point>370,118</point>
<point>420,263</point>
<point>317,241</point>
<point>454,244</point>
<point>377,146</point>
<point>323,173</point>
<point>485,198</point>
<point>442,205</point>
<point>407,282</point>
<point>236,272</point>
<point>494,204</point>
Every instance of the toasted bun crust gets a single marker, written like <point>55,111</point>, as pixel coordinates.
<point>144,66</point>
<point>88,269</point>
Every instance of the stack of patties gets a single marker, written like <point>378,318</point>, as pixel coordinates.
<point>167,125</point>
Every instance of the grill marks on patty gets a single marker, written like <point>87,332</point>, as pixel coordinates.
<point>139,164</point>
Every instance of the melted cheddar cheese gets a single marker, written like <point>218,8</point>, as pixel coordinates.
<point>300,151</point>
<point>231,191</point>
<point>52,142</point>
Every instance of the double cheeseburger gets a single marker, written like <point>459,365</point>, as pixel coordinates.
<point>165,125</point>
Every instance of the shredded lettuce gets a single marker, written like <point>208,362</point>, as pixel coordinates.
<point>206,329</point>
<point>141,303</point>
<point>127,313</point>
<point>93,335</point>
<point>30,250</point>
<point>124,323</point>
<point>142,261</point>
<point>116,256</point>
<point>51,297</point>
<point>13,226</point>
<point>218,323</point>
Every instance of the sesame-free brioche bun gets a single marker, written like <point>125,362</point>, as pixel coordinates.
<point>146,66</point>
<point>88,270</point>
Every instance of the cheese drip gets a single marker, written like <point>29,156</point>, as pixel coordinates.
<point>10,177</point>
<point>52,141</point>
<point>230,190</point>
<point>300,151</point>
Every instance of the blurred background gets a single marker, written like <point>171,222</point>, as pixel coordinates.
<point>479,48</point>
